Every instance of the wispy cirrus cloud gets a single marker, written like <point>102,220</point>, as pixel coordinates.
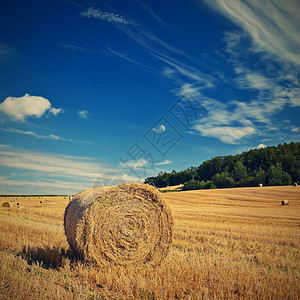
<point>20,108</point>
<point>163,163</point>
<point>150,11</point>
<point>7,53</point>
<point>64,173</point>
<point>41,136</point>
<point>270,85</point>
<point>227,134</point>
<point>106,16</point>
<point>176,64</point>
<point>86,50</point>
<point>272,26</point>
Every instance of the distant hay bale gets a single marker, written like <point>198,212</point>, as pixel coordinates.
<point>129,224</point>
<point>285,202</point>
<point>260,185</point>
<point>18,203</point>
<point>295,184</point>
<point>6,204</point>
<point>41,201</point>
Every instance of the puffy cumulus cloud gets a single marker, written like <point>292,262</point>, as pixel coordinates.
<point>56,111</point>
<point>159,129</point>
<point>19,108</point>
<point>260,146</point>
<point>83,114</point>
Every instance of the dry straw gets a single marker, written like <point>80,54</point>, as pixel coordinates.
<point>128,225</point>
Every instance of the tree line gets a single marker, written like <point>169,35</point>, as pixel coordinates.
<point>274,165</point>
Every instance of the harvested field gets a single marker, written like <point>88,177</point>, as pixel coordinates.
<point>227,244</point>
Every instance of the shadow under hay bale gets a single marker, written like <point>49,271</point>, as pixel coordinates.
<point>285,202</point>
<point>127,225</point>
<point>6,204</point>
<point>48,258</point>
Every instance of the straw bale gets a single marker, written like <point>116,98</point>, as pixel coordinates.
<point>295,184</point>
<point>260,185</point>
<point>285,202</point>
<point>6,204</point>
<point>129,224</point>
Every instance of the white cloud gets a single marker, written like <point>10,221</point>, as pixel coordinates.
<point>162,163</point>
<point>86,50</point>
<point>106,16</point>
<point>135,164</point>
<point>83,114</point>
<point>260,146</point>
<point>150,12</point>
<point>7,53</point>
<point>188,89</point>
<point>19,108</point>
<point>159,129</point>
<point>227,134</point>
<point>173,68</point>
<point>253,80</point>
<point>234,121</point>
<point>273,26</point>
<point>294,96</point>
<point>56,111</point>
<point>52,164</point>
<point>41,136</point>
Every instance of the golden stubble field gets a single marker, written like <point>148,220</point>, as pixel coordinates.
<point>228,244</point>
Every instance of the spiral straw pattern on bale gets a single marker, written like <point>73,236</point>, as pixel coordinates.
<point>129,224</point>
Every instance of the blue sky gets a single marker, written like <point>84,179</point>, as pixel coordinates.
<point>104,92</point>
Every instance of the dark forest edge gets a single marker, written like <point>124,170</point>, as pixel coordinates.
<point>273,166</point>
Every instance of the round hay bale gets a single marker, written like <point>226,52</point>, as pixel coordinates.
<point>127,225</point>
<point>260,185</point>
<point>6,204</point>
<point>285,202</point>
<point>18,203</point>
<point>295,184</point>
<point>41,201</point>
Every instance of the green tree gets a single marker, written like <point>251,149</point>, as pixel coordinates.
<point>239,172</point>
<point>223,180</point>
<point>276,176</point>
<point>260,176</point>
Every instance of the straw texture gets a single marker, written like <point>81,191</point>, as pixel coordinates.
<point>129,224</point>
